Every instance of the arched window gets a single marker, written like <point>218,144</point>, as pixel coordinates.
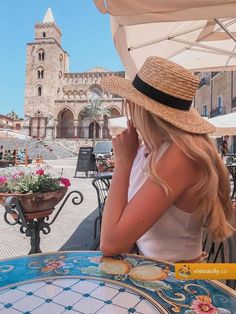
<point>91,130</point>
<point>41,55</point>
<point>40,91</point>
<point>44,34</point>
<point>40,73</point>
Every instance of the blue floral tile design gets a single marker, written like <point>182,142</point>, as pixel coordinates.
<point>85,282</point>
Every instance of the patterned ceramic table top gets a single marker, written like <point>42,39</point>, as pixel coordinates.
<point>85,282</point>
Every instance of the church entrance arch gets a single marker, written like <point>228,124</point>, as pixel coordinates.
<point>65,127</point>
<point>91,130</point>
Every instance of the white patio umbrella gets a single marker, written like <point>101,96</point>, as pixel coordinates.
<point>225,124</point>
<point>198,34</point>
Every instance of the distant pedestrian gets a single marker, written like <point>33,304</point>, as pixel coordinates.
<point>1,152</point>
<point>225,147</point>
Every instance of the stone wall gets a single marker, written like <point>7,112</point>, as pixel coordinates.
<point>51,66</point>
<point>218,93</point>
<point>221,86</point>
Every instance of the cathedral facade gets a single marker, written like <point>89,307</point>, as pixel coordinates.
<point>55,98</point>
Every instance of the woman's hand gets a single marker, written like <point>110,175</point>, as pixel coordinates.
<point>125,145</point>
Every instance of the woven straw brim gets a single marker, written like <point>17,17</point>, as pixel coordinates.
<point>187,120</point>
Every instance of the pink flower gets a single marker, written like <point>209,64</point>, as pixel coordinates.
<point>65,182</point>
<point>3,180</point>
<point>40,172</point>
<point>204,307</point>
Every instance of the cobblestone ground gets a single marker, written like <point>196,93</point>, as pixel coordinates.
<point>14,243</point>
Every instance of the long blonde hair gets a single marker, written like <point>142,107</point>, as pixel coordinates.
<point>213,189</point>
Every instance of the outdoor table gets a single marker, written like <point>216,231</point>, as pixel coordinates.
<point>86,282</point>
<point>232,169</point>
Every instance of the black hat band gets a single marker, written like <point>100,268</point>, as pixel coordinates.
<point>161,97</point>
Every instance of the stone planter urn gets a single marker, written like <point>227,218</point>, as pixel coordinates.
<point>36,205</point>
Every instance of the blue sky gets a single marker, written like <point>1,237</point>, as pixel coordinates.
<point>85,36</point>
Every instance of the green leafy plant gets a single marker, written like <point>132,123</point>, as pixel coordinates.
<point>12,114</point>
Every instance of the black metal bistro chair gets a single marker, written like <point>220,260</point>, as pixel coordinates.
<point>224,252</point>
<point>101,185</point>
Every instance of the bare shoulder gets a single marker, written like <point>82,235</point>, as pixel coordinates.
<point>176,162</point>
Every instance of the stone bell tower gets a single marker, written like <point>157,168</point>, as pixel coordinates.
<point>46,63</point>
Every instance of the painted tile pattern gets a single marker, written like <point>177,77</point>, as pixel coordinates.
<point>73,296</point>
<point>85,282</point>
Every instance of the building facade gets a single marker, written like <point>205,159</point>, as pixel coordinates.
<point>8,123</point>
<point>216,94</point>
<point>55,98</point>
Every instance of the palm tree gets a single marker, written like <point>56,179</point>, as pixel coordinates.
<point>12,114</point>
<point>95,111</point>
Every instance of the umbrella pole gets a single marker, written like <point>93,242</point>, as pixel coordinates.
<point>15,157</point>
<point>26,156</point>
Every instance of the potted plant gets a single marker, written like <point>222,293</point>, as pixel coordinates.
<point>37,190</point>
<point>104,165</point>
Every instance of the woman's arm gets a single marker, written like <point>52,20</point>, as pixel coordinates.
<point>125,222</point>
<point>125,146</point>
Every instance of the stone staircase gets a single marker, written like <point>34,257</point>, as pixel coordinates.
<point>48,149</point>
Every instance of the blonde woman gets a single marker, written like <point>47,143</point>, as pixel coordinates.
<point>163,192</point>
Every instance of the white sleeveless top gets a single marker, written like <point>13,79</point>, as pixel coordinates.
<point>177,235</point>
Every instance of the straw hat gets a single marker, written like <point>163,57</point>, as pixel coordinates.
<point>165,89</point>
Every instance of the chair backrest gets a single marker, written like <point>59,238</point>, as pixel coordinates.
<point>224,252</point>
<point>102,186</point>
<point>220,252</point>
